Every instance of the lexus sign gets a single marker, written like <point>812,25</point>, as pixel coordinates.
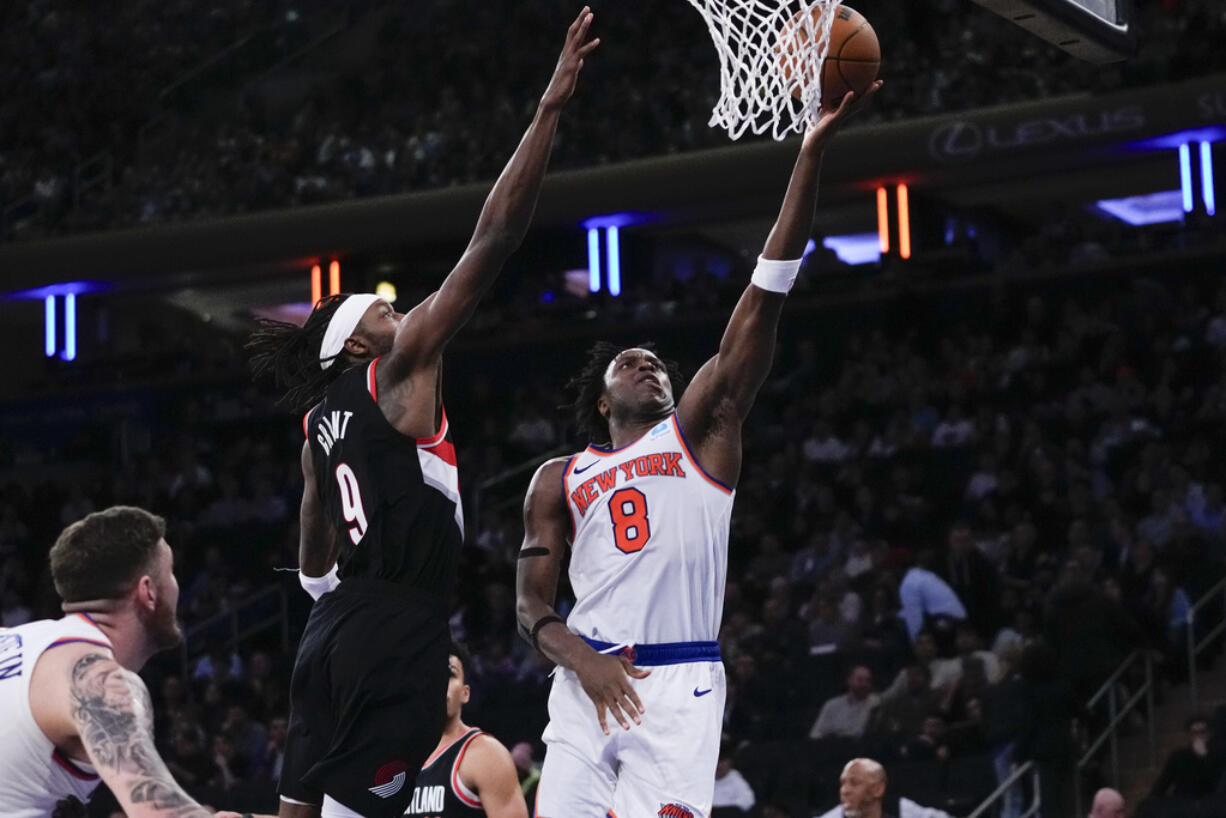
<point>964,140</point>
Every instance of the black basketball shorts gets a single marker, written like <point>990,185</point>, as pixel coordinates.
<point>367,700</point>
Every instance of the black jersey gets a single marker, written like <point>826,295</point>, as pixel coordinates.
<point>393,501</point>
<point>439,792</point>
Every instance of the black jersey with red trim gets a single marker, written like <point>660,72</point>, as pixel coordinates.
<point>393,501</point>
<point>439,792</point>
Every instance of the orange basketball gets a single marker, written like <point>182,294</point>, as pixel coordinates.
<point>853,60</point>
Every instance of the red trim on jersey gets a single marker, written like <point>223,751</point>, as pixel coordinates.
<point>444,451</point>
<point>73,770</point>
<point>685,444</point>
<point>371,385</point>
<point>437,437</point>
<point>434,756</point>
<point>456,784</point>
<point>74,639</point>
<point>570,464</point>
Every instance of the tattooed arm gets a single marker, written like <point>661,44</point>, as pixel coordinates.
<point>113,715</point>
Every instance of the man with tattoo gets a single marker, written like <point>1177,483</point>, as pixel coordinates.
<point>73,712</point>
<point>645,511</point>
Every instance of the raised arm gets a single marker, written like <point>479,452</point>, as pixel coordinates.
<point>113,715</point>
<point>503,222</point>
<point>722,393</point>
<point>547,525</point>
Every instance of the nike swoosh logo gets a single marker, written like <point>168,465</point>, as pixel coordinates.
<point>698,692</point>
<point>585,468</point>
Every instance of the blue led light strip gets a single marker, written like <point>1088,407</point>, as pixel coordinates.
<point>593,259</point>
<point>1185,175</point>
<point>1206,178</point>
<point>49,324</point>
<point>613,240</point>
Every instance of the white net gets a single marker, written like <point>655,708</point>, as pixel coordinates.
<point>768,49</point>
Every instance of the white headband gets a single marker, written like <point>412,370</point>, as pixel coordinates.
<point>344,322</point>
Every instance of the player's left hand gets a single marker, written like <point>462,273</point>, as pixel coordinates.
<point>566,74</point>
<point>830,120</point>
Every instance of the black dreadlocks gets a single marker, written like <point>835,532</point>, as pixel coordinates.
<point>288,355</point>
<point>588,386</point>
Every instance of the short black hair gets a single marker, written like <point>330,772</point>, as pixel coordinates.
<point>466,660</point>
<point>103,554</point>
<point>288,355</point>
<point>588,385</point>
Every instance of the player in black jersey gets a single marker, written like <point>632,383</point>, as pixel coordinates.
<point>381,521</point>
<point>470,772</point>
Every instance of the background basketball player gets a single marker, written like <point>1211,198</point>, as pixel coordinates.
<point>647,518</point>
<point>73,712</point>
<point>470,772</point>
<point>381,494</point>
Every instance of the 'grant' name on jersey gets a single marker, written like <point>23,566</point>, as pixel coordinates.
<point>666,464</point>
<point>331,428</point>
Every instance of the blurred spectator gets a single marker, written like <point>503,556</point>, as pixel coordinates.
<point>1108,803</point>
<point>848,715</point>
<point>904,711</point>
<point>928,601</point>
<point>1190,772</point>
<point>731,789</point>
<point>527,768</point>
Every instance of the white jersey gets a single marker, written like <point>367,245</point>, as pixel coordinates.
<point>650,542</point>
<point>36,775</point>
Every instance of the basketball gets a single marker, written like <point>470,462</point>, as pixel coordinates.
<point>852,61</point>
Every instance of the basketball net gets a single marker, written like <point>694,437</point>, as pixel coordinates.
<point>767,49</point>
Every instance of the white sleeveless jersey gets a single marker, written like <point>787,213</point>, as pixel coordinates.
<point>36,776</point>
<point>650,541</point>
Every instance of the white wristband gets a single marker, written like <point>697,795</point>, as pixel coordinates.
<point>318,586</point>
<point>776,276</point>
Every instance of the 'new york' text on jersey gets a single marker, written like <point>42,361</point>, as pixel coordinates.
<point>650,547</point>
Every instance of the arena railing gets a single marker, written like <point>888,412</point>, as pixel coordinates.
<point>1195,648</point>
<point>1014,780</point>
<point>1116,713</point>
<point>240,631</point>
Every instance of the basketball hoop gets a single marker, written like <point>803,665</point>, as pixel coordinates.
<point>770,59</point>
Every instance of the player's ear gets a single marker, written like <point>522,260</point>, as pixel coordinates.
<point>356,346</point>
<point>468,691</point>
<point>602,406</point>
<point>146,593</point>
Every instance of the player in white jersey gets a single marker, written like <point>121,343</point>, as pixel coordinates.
<point>646,517</point>
<point>73,712</point>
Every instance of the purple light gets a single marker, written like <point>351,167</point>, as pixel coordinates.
<point>62,288</point>
<point>1152,208</point>
<point>1206,178</point>
<point>857,248</point>
<point>1185,175</point>
<point>593,259</point>
<point>628,219</point>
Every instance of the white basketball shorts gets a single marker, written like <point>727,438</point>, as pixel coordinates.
<point>662,767</point>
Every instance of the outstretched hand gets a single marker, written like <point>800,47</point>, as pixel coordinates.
<point>830,120</point>
<point>566,74</point>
